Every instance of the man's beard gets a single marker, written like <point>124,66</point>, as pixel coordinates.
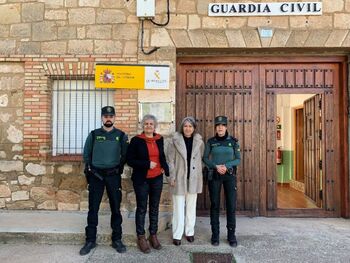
<point>108,124</point>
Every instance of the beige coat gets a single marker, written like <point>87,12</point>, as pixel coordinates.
<point>177,160</point>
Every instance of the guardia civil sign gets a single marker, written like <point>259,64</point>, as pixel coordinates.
<point>121,76</point>
<point>265,9</point>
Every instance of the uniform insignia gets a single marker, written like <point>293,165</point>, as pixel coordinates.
<point>238,150</point>
<point>229,144</point>
<point>220,118</point>
<point>109,109</point>
<point>100,138</point>
<point>117,138</point>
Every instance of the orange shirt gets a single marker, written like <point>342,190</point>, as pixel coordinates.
<point>153,153</point>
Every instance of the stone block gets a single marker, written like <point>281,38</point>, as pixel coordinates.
<point>20,196</point>
<point>47,205</point>
<point>47,180</point>
<point>7,47</point>
<point>202,6</point>
<point>194,22</point>
<point>320,22</point>
<point>160,38</point>
<point>4,31</point>
<point>125,31</point>
<point>236,22</point>
<point>53,14</point>
<point>177,22</point>
<point>2,202</point>
<point>331,6</point>
<point>342,21</point>
<point>110,16</point>
<point>99,31</point>
<point>20,30</point>
<point>4,100</point>
<point>298,21</point>
<point>214,22</point>
<point>235,38</point>
<point>54,3</point>
<point>297,38</point>
<point>21,205</point>
<point>28,48</point>
<point>17,148</point>
<point>54,47</point>
<point>112,3</point>
<point>80,46</point>
<point>186,6</point>
<point>180,38</point>
<point>41,194</point>
<point>9,166</point>
<point>11,68</point>
<point>216,38</point>
<point>2,154</point>
<point>317,38</point>
<point>84,206</point>
<point>280,38</point>
<point>71,3</point>
<point>67,32</point>
<point>44,31</point>
<point>81,16</point>
<point>24,180</point>
<point>65,196</point>
<point>33,12</point>
<point>130,48</point>
<point>10,14</point>
<point>92,3</point>
<point>4,191</point>
<point>74,183</point>
<point>108,47</point>
<point>251,38</point>
<point>67,207</point>
<point>35,169</point>
<point>347,6</point>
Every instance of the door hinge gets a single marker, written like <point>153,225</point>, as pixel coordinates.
<point>320,164</point>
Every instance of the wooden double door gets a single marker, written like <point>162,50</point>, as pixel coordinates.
<point>246,94</point>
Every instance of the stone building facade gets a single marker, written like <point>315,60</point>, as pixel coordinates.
<point>45,39</point>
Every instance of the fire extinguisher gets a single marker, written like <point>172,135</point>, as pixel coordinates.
<point>279,155</point>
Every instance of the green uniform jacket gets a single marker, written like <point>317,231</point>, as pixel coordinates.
<point>109,149</point>
<point>225,152</point>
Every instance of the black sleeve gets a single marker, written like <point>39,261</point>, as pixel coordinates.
<point>133,155</point>
<point>162,157</point>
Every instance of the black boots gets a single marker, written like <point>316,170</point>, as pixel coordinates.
<point>119,246</point>
<point>87,248</point>
<point>231,237</point>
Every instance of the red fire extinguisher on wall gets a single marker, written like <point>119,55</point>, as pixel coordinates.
<point>279,155</point>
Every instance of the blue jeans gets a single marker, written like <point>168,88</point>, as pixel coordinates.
<point>151,189</point>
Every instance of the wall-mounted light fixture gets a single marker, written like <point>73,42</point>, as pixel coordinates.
<point>145,10</point>
<point>265,32</point>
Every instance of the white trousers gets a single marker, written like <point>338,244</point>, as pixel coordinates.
<point>184,215</point>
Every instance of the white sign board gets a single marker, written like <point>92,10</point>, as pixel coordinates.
<point>157,77</point>
<point>265,9</point>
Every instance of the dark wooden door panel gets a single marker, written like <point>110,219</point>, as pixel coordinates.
<point>246,93</point>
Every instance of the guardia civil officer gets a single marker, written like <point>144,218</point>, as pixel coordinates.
<point>222,155</point>
<point>104,156</point>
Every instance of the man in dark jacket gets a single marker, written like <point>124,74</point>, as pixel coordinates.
<point>104,156</point>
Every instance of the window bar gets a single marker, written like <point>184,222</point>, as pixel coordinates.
<point>70,103</point>
<point>82,114</point>
<point>64,111</point>
<point>76,113</point>
<point>57,116</point>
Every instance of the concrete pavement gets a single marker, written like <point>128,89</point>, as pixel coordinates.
<point>260,240</point>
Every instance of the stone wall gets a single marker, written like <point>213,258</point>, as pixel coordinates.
<point>45,38</point>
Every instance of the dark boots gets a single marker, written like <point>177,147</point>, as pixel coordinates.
<point>154,242</point>
<point>231,237</point>
<point>142,244</point>
<point>87,248</point>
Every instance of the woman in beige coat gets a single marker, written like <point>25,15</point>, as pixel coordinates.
<point>184,157</point>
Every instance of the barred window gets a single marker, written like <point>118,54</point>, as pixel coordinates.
<point>76,106</point>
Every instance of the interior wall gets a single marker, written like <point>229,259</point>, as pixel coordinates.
<point>286,103</point>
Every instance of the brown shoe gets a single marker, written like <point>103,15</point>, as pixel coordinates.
<point>154,242</point>
<point>190,238</point>
<point>142,244</point>
<point>177,242</point>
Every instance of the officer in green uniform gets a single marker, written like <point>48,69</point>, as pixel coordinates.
<point>104,156</point>
<point>221,156</point>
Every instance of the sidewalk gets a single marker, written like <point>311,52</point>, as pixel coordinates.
<point>36,236</point>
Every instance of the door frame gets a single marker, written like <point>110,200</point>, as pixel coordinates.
<point>341,100</point>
